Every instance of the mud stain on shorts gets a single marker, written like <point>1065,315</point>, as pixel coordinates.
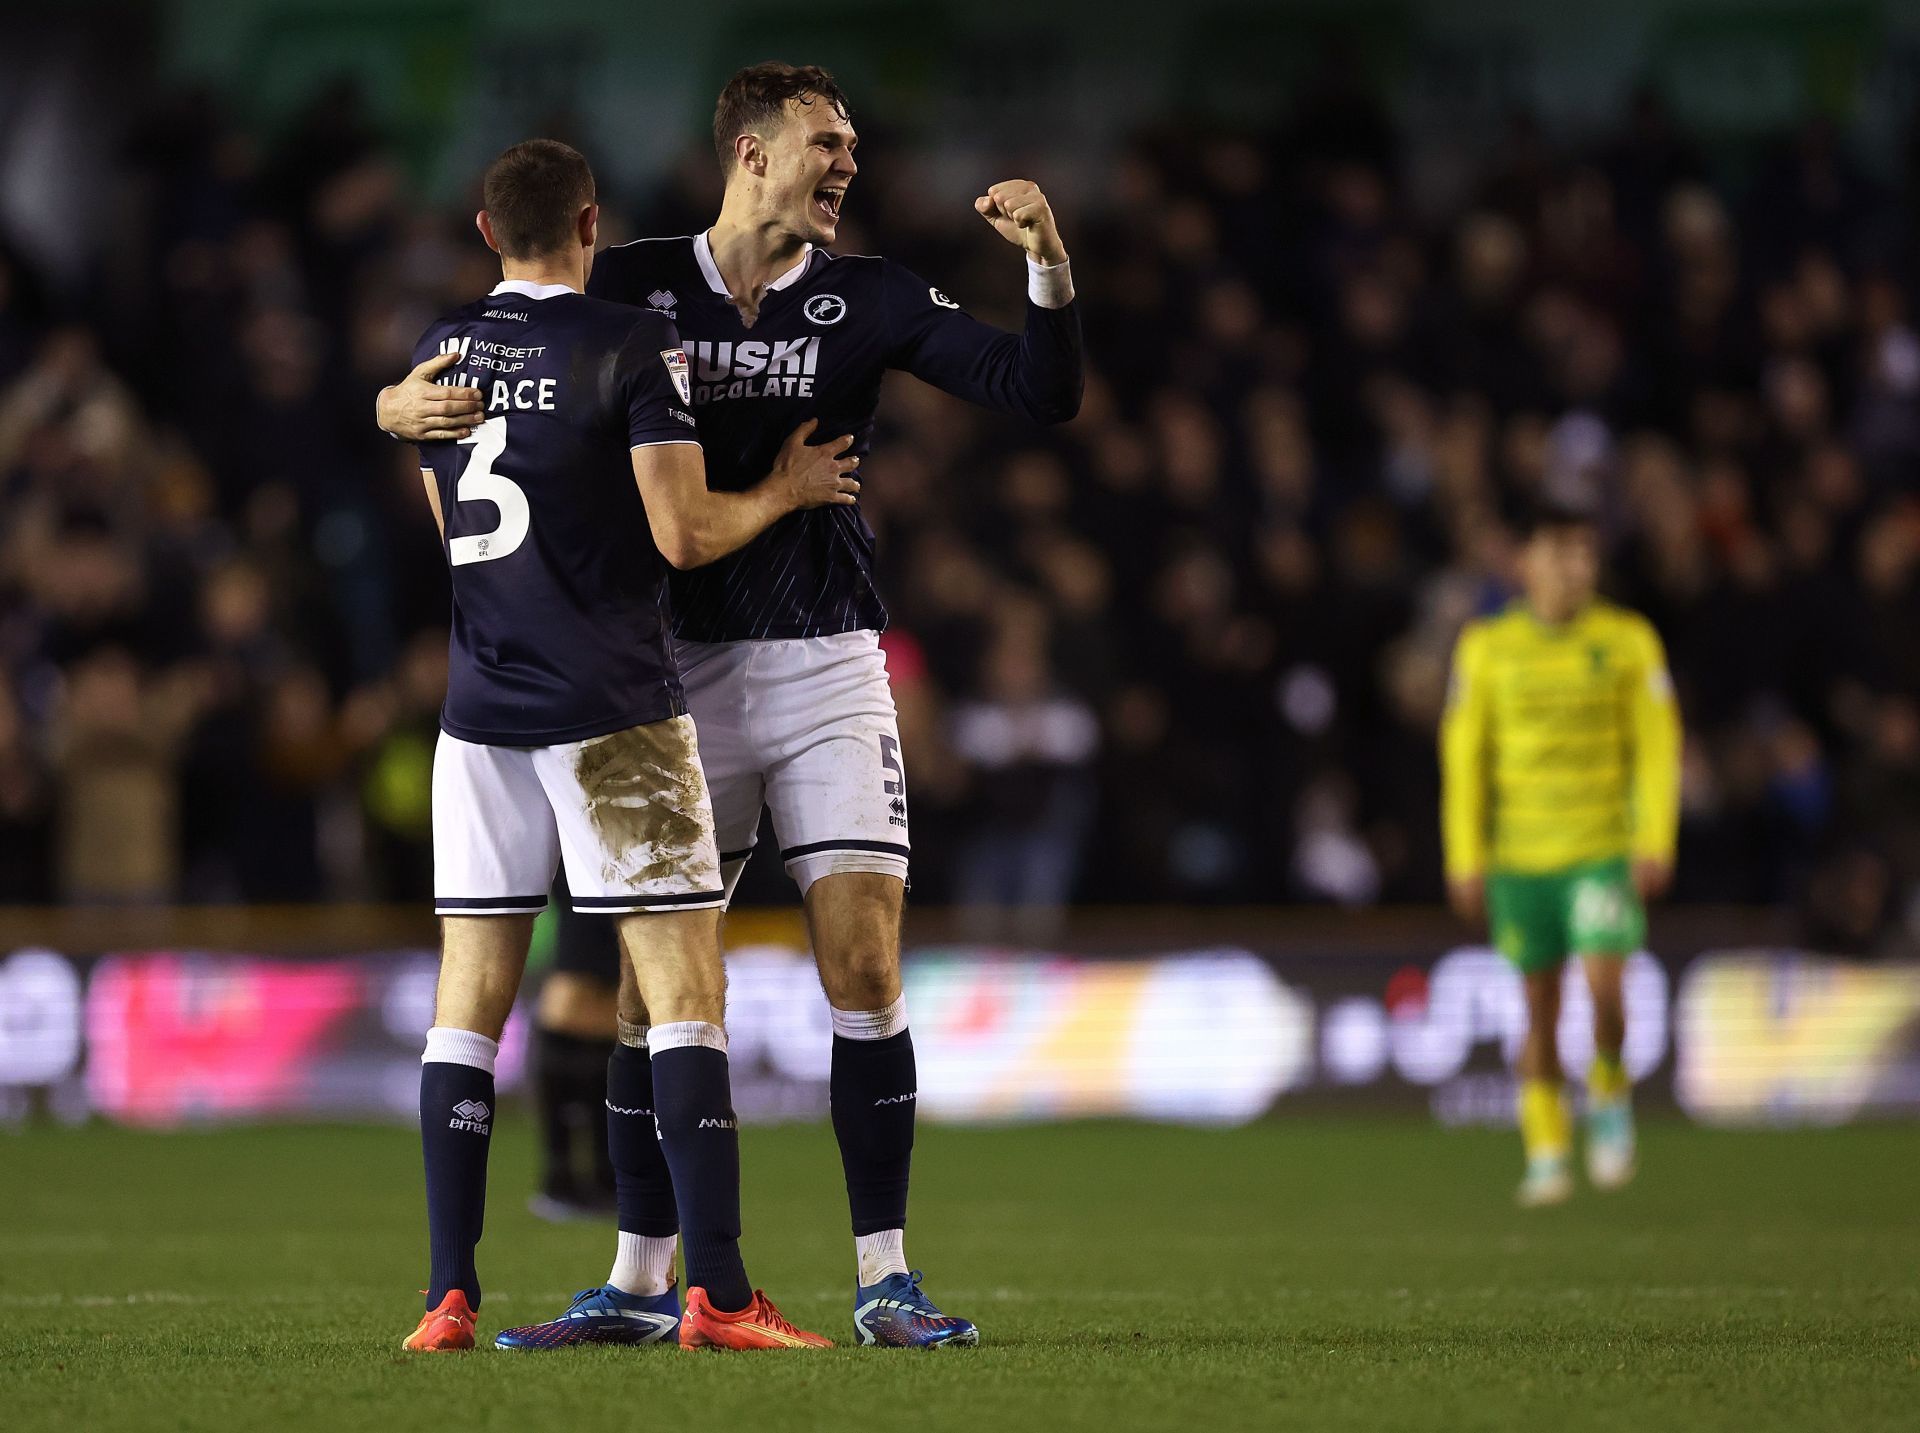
<point>647,802</point>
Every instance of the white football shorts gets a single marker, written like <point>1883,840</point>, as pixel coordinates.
<point>806,727</point>
<point>628,813</point>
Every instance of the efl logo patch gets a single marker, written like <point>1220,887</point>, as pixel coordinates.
<point>676,361</point>
<point>825,309</point>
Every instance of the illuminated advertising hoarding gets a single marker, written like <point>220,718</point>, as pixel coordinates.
<point>1202,1037</point>
<point>1766,1037</point>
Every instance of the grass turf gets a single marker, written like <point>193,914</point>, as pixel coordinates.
<point>1297,1274</point>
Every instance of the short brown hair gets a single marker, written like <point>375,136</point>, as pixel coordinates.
<point>759,93</point>
<point>532,193</point>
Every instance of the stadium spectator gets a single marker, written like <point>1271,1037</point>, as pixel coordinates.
<point>1231,584</point>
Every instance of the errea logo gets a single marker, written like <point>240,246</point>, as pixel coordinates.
<point>470,1115</point>
<point>718,1124</point>
<point>825,309</point>
<point>663,301</point>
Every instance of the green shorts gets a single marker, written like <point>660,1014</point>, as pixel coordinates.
<point>1540,918</point>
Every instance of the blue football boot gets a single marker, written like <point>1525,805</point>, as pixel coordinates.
<point>894,1313</point>
<point>603,1315</point>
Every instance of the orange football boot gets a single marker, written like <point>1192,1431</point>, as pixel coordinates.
<point>758,1325</point>
<point>446,1329</point>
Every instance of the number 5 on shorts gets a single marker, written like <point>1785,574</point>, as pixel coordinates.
<point>895,784</point>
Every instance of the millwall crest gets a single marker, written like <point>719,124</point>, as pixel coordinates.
<point>824,309</point>
<point>676,361</point>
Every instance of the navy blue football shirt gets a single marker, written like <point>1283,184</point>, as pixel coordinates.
<point>827,332</point>
<point>560,615</point>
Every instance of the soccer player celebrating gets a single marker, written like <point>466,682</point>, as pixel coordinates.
<point>778,643</point>
<point>564,737</point>
<point>1560,767</point>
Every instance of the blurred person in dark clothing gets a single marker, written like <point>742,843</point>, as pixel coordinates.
<point>26,812</point>
<point>575,1023</point>
<point>396,785</point>
<point>303,745</point>
<point>118,791</point>
<point>1028,747</point>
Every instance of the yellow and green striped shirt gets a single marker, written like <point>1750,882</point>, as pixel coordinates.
<point>1560,745</point>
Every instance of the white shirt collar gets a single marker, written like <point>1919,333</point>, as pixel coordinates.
<point>526,288</point>
<point>710,271</point>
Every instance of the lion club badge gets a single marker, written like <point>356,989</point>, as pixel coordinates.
<point>676,361</point>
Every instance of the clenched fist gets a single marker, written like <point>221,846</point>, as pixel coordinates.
<point>1021,214</point>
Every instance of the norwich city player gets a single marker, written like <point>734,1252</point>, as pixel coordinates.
<point>1560,764</point>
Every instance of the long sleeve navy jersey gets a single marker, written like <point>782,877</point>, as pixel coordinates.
<point>560,605</point>
<point>826,334</point>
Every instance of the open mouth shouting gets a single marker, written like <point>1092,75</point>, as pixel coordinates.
<point>827,200</point>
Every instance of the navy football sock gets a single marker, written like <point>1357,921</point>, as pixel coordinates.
<point>456,1128</point>
<point>873,1088</point>
<point>693,1105</point>
<point>568,1077</point>
<point>641,1177</point>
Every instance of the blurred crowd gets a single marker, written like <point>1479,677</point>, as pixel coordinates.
<point>1190,647</point>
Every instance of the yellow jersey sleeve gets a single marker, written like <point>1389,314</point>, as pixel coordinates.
<point>1464,735</point>
<point>1654,724</point>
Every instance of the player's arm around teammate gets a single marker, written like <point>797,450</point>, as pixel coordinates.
<point>692,525</point>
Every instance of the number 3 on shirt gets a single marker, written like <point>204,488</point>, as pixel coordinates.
<point>479,483</point>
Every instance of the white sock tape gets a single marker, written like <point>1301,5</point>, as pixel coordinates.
<point>684,1034</point>
<point>447,1046</point>
<point>878,1024</point>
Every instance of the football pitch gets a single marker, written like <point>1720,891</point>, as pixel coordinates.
<point>1298,1274</point>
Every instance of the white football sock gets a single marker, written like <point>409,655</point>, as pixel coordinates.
<point>644,1265</point>
<point>879,1254</point>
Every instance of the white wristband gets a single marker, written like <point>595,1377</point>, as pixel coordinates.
<point>1049,285</point>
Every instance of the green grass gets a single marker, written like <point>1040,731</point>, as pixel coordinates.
<point>1297,1275</point>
